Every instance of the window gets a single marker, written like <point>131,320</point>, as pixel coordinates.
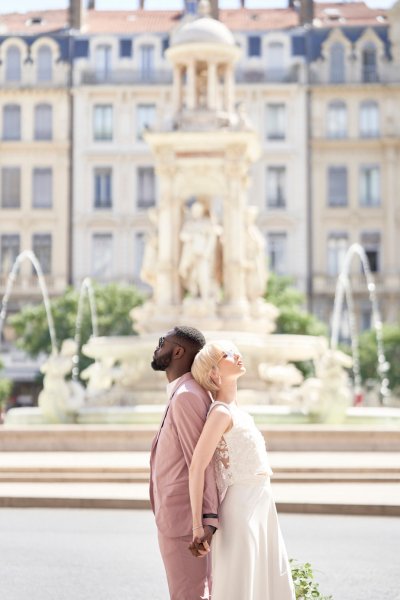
<point>371,242</point>
<point>337,64</point>
<point>103,122</point>
<point>125,48</point>
<point>44,64</point>
<point>13,64</point>
<point>369,64</point>
<point>338,243</point>
<point>276,61</point>
<point>139,253</point>
<point>147,62</point>
<point>337,120</point>
<point>11,122</point>
<point>337,186</point>
<point>103,187</point>
<point>103,62</point>
<point>191,7</point>
<point>370,194</point>
<point>276,244</point>
<point>276,121</point>
<point>146,116</point>
<point>102,255</point>
<point>10,187</point>
<point>41,246</point>
<point>146,189</point>
<point>276,187</point>
<point>254,45</point>
<point>42,188</point>
<point>43,122</point>
<point>10,248</point>
<point>365,316</point>
<point>369,119</point>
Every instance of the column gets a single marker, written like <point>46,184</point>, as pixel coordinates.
<point>191,85</point>
<point>177,89</point>
<point>163,292</point>
<point>212,86</point>
<point>229,89</point>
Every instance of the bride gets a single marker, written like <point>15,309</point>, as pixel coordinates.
<point>249,556</point>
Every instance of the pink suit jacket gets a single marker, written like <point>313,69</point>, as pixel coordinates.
<point>170,458</point>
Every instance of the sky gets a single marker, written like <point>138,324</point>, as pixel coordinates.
<point>26,5</point>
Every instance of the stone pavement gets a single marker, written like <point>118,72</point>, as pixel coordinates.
<point>305,482</point>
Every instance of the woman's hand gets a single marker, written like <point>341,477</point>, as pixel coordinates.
<point>200,545</point>
<point>198,533</point>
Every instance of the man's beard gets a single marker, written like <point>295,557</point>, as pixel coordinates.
<point>162,362</point>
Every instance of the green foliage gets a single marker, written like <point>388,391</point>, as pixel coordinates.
<point>292,318</point>
<point>369,356</point>
<point>5,387</point>
<point>305,586</point>
<point>113,303</point>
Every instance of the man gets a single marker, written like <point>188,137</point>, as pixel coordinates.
<point>171,455</point>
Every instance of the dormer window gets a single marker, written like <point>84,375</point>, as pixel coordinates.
<point>254,45</point>
<point>369,64</point>
<point>13,64</point>
<point>337,63</point>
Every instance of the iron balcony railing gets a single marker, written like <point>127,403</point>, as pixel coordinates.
<point>126,76</point>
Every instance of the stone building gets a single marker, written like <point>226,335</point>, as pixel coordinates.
<point>319,82</point>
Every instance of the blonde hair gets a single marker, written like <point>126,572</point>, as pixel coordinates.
<point>205,361</point>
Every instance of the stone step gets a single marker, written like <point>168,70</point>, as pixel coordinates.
<point>337,498</point>
<point>133,477</point>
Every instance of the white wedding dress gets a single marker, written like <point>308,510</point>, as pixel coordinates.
<point>249,559</point>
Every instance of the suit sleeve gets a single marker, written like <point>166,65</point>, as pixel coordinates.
<point>190,413</point>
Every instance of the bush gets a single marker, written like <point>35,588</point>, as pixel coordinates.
<point>305,586</point>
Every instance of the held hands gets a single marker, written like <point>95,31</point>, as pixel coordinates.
<point>201,541</point>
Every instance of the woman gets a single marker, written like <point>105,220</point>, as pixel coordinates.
<point>249,556</point>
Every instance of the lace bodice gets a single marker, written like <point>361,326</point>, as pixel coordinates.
<point>241,454</point>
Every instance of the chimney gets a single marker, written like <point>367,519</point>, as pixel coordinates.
<point>306,12</point>
<point>76,12</point>
<point>243,3</point>
<point>91,4</point>
<point>141,4</point>
<point>292,4</point>
<point>214,9</point>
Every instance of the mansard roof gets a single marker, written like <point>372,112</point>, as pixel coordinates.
<point>332,14</point>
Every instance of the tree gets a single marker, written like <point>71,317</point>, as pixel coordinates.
<point>113,303</point>
<point>292,318</point>
<point>5,388</point>
<point>369,355</point>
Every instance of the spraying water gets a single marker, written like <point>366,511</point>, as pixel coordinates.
<point>344,292</point>
<point>86,289</point>
<point>29,255</point>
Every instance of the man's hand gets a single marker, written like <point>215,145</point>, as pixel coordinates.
<point>201,543</point>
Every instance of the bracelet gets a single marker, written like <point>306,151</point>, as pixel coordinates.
<point>199,527</point>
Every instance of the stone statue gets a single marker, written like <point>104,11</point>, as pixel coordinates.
<point>60,399</point>
<point>327,395</point>
<point>148,271</point>
<point>256,274</point>
<point>199,236</point>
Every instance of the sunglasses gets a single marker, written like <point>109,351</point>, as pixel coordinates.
<point>162,341</point>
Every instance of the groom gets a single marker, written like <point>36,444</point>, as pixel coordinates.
<point>171,453</point>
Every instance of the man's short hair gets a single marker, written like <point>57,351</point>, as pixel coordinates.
<point>191,335</point>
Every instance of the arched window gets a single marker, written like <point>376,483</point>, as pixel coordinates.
<point>337,66</point>
<point>13,64</point>
<point>11,122</point>
<point>44,64</point>
<point>275,61</point>
<point>369,119</point>
<point>103,62</point>
<point>369,63</point>
<point>337,119</point>
<point>43,122</point>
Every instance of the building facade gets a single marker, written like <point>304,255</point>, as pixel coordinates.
<point>320,85</point>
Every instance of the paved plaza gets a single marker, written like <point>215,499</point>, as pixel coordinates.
<point>113,555</point>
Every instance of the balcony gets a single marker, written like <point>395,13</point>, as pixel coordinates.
<point>125,77</point>
<point>252,75</point>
